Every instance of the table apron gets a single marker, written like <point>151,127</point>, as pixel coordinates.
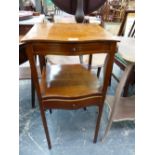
<point>71,48</point>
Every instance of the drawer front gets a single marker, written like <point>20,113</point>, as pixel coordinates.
<point>70,49</point>
<point>92,48</point>
<point>72,104</point>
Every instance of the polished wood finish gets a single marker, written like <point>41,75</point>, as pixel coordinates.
<point>85,33</point>
<point>80,82</point>
<point>72,33</point>
<point>69,86</point>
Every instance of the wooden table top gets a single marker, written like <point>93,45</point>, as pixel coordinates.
<point>63,32</point>
<point>126,48</point>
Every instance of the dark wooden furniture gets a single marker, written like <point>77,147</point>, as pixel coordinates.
<point>120,108</point>
<point>69,86</point>
<point>70,6</point>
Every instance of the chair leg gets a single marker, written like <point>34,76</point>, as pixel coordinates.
<point>46,128</point>
<point>98,71</point>
<point>98,123</point>
<point>33,90</point>
<point>32,94</point>
<point>109,124</point>
<point>107,129</point>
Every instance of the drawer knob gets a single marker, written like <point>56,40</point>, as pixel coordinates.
<point>74,49</point>
<point>73,105</point>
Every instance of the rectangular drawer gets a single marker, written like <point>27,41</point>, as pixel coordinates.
<point>71,48</point>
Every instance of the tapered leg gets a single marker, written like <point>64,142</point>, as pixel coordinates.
<point>32,94</point>
<point>32,90</point>
<point>46,128</point>
<point>98,123</point>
